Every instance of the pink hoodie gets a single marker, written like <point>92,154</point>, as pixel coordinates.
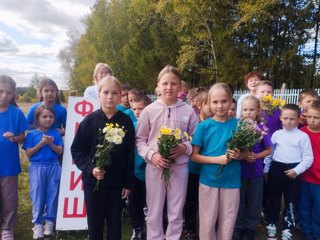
<point>154,116</point>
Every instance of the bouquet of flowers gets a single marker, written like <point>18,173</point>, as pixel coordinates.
<point>169,138</point>
<point>245,136</point>
<point>269,104</point>
<point>109,136</point>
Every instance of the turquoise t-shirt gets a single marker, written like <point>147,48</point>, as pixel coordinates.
<point>130,113</point>
<point>121,108</point>
<point>139,163</point>
<point>211,136</point>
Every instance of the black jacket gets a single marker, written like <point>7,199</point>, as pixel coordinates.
<point>121,172</point>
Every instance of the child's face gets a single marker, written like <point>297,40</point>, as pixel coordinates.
<point>252,83</point>
<point>249,109</point>
<point>110,96</point>
<point>6,94</point>
<point>169,86</point>
<point>289,119</point>
<point>313,119</point>
<point>46,119</point>
<point>306,101</point>
<point>49,93</point>
<point>232,110</point>
<point>220,102</point>
<point>137,108</point>
<point>264,91</point>
<point>130,99</point>
<point>102,72</point>
<point>124,98</point>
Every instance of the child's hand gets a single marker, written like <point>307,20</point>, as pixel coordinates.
<point>303,118</point>
<point>159,161</point>
<point>45,140</point>
<point>98,174</point>
<point>125,193</point>
<point>291,173</point>
<point>252,157</point>
<point>233,154</point>
<point>9,136</point>
<point>178,151</point>
<point>224,160</point>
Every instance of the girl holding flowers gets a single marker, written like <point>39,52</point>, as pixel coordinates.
<point>166,112</point>
<point>219,194</point>
<point>107,176</point>
<point>252,176</point>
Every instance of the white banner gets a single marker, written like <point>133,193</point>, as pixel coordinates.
<point>72,213</point>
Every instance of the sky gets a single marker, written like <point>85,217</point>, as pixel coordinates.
<point>33,32</point>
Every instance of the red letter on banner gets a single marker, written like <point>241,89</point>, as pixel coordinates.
<point>74,213</point>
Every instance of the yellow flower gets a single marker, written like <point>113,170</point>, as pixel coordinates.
<point>165,131</point>
<point>121,132</point>
<point>283,102</point>
<point>187,137</point>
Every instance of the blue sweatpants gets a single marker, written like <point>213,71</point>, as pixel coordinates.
<point>44,189</point>
<point>309,209</point>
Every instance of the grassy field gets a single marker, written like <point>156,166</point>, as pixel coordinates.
<point>23,229</point>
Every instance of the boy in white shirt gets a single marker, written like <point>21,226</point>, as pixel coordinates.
<point>292,155</point>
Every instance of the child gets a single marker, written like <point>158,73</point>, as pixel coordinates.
<point>134,92</point>
<point>116,180</point>
<point>218,194</point>
<point>137,199</point>
<point>306,97</point>
<point>183,92</point>
<point>191,206</point>
<point>233,109</point>
<point>124,104</point>
<point>43,146</point>
<point>171,112</point>
<point>101,70</point>
<point>251,81</point>
<point>192,99</point>
<point>48,92</point>
<point>12,126</point>
<point>292,155</point>
<point>251,177</point>
<point>309,208</point>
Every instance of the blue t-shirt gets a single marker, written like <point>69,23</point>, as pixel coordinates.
<point>11,120</point>
<point>211,136</point>
<point>45,153</point>
<point>130,113</point>
<point>194,167</point>
<point>60,115</point>
<point>139,163</point>
<point>121,108</point>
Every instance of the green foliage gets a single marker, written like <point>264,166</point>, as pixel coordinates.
<point>208,41</point>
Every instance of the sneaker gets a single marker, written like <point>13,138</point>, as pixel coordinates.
<point>286,235</point>
<point>37,231</point>
<point>48,228</point>
<point>137,234</point>
<point>271,232</point>
<point>7,235</point>
<point>189,235</point>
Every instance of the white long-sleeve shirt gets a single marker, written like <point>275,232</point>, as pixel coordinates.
<point>290,146</point>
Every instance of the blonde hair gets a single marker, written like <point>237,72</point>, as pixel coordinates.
<point>169,69</point>
<point>219,86</point>
<point>252,98</point>
<point>98,67</point>
<point>109,79</point>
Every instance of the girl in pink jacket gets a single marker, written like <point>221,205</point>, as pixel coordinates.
<point>171,112</point>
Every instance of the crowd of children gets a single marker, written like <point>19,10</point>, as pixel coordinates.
<point>201,202</point>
